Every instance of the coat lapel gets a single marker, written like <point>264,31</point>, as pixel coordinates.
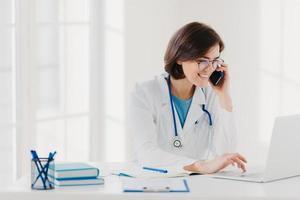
<point>195,111</point>
<point>166,107</point>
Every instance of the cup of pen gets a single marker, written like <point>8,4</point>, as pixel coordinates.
<point>40,175</point>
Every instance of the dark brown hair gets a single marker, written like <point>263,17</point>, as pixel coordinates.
<point>189,43</point>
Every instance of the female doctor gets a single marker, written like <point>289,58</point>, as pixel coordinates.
<point>180,118</point>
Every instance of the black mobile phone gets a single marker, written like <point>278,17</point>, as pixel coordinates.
<point>216,77</point>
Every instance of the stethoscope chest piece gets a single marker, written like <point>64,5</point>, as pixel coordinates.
<point>177,143</point>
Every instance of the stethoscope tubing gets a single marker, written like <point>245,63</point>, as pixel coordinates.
<point>177,143</point>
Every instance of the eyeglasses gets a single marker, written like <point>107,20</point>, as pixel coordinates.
<point>204,63</point>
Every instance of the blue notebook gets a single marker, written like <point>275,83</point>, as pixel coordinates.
<point>77,182</point>
<point>73,170</point>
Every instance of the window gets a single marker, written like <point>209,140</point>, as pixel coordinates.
<point>50,96</point>
<point>7,86</point>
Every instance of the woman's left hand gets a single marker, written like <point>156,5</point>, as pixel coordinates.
<point>222,89</point>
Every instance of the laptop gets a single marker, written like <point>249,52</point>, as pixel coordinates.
<point>283,160</point>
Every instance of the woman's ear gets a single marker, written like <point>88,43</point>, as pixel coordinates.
<point>179,62</point>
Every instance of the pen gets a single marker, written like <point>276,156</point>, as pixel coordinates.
<point>156,169</point>
<point>123,174</point>
<point>126,175</point>
<point>50,158</point>
<point>43,170</point>
<point>37,161</point>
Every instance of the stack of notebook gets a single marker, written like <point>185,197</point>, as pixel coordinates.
<point>74,174</point>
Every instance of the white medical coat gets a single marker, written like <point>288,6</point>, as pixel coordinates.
<point>151,123</point>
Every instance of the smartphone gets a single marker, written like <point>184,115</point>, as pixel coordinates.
<point>216,77</point>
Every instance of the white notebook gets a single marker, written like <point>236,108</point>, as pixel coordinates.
<point>139,172</point>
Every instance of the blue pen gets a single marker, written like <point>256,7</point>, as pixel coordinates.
<point>123,174</point>
<point>46,167</point>
<point>126,175</point>
<point>36,160</point>
<point>156,169</point>
<point>43,170</point>
<point>50,158</point>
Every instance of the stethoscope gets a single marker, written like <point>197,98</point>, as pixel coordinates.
<point>177,142</point>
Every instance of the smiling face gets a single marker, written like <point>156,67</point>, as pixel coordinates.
<point>196,76</point>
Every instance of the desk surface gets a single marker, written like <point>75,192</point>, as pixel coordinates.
<point>201,188</point>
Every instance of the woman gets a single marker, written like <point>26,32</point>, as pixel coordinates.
<point>180,118</point>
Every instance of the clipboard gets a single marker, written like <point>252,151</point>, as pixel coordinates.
<point>155,185</point>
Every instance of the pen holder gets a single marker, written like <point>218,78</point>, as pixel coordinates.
<point>40,175</point>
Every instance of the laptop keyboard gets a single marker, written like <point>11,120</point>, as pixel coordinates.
<point>238,174</point>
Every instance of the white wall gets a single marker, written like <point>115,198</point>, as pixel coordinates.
<point>238,23</point>
<point>148,27</point>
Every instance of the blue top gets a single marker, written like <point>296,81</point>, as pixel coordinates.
<point>182,108</point>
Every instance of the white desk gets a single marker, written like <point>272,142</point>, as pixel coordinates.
<point>201,188</point>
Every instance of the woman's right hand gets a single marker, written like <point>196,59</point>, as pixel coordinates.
<point>218,163</point>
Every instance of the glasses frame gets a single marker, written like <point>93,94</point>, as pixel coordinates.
<point>208,63</point>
